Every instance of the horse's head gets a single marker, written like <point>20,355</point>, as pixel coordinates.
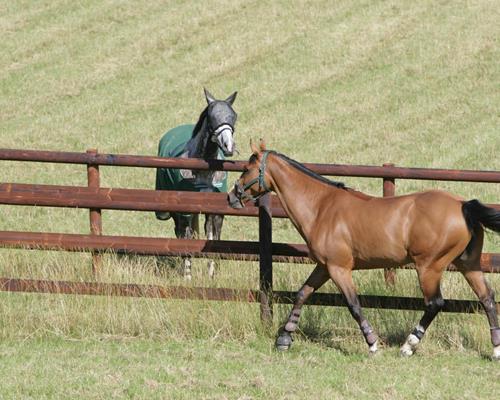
<point>221,119</point>
<point>253,182</point>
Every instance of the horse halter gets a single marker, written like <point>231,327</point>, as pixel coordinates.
<point>215,133</point>
<point>241,190</point>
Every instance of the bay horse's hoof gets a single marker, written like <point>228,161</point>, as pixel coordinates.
<point>407,350</point>
<point>496,353</point>
<point>284,341</point>
<point>373,349</point>
<point>409,347</point>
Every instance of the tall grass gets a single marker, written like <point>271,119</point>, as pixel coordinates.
<point>365,82</point>
<point>73,316</point>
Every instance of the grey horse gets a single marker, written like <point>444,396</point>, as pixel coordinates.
<point>212,137</point>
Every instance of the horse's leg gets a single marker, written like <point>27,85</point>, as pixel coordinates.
<point>469,264</point>
<point>213,228</point>
<point>429,276</point>
<point>486,296</point>
<point>343,279</point>
<point>317,278</point>
<point>184,230</point>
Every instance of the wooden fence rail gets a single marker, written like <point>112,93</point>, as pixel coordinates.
<point>148,246</point>
<point>389,171</point>
<point>96,198</point>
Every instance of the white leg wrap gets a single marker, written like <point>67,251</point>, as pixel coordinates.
<point>412,342</point>
<point>410,345</point>
<point>373,348</point>
<point>211,268</point>
<point>496,353</point>
<point>187,269</point>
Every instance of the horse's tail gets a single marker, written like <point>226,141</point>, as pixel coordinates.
<point>477,213</point>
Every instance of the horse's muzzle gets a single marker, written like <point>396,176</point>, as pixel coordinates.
<point>233,200</point>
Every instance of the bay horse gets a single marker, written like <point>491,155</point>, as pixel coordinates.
<point>346,230</point>
<point>211,138</point>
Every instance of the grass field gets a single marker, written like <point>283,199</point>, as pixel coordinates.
<point>363,82</point>
<point>138,368</point>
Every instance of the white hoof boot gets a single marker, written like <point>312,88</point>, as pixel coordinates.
<point>373,349</point>
<point>187,270</point>
<point>410,345</point>
<point>496,353</point>
<point>211,269</point>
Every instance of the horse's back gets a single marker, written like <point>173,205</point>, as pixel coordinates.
<point>405,225</point>
<point>173,143</point>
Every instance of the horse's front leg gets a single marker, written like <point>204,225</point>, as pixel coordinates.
<point>213,229</point>
<point>317,278</point>
<point>342,277</point>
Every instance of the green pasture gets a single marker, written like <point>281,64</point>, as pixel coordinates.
<point>212,369</point>
<point>345,82</point>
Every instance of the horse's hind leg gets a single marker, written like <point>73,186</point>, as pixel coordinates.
<point>486,296</point>
<point>317,278</point>
<point>343,279</point>
<point>430,279</point>
<point>213,229</point>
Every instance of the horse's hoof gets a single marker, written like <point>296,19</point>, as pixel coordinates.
<point>373,349</point>
<point>284,342</point>
<point>410,345</point>
<point>496,353</point>
<point>162,215</point>
<point>406,350</point>
<point>188,277</point>
<point>282,347</point>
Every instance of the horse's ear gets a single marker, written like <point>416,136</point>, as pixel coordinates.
<point>262,145</point>
<point>253,147</point>
<point>208,96</point>
<point>230,100</point>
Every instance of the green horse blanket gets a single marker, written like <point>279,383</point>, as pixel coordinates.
<point>173,144</point>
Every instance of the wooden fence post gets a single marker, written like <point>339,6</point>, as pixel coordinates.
<point>265,259</point>
<point>389,189</point>
<point>93,180</point>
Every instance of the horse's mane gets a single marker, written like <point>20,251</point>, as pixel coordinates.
<point>310,173</point>
<point>307,171</point>
<point>198,125</point>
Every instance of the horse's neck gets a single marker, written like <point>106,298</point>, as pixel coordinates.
<point>299,193</point>
<point>199,146</point>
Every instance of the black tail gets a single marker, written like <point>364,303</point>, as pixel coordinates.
<point>477,213</point>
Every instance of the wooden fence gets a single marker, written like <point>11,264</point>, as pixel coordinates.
<point>96,198</point>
